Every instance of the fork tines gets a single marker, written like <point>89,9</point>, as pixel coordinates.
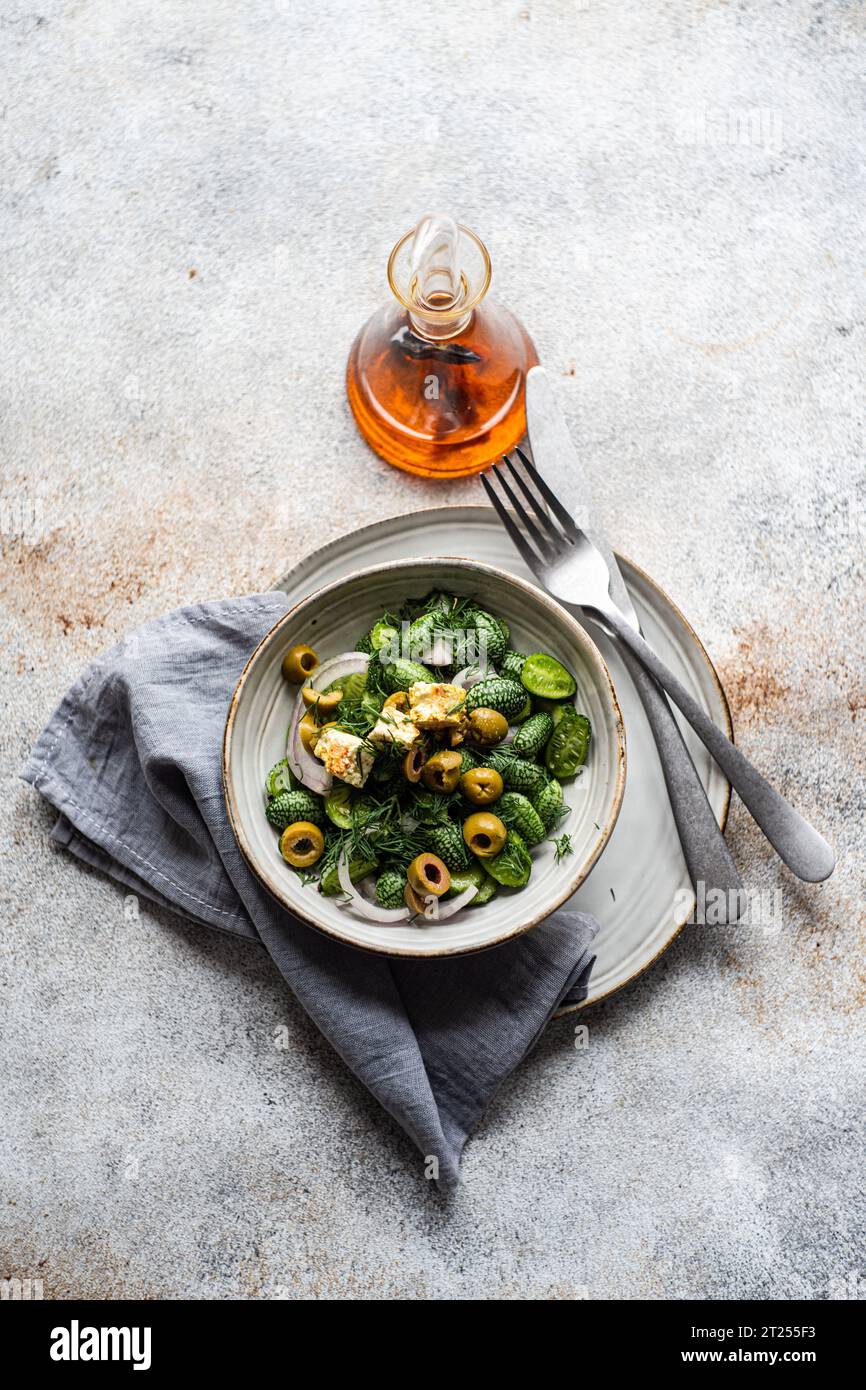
<point>549,540</point>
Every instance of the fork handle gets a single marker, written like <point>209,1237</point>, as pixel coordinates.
<point>806,853</point>
<point>706,854</point>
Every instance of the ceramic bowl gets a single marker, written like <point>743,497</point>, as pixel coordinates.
<point>330,621</point>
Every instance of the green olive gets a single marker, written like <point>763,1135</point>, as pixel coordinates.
<point>301,844</point>
<point>481,785</point>
<point>427,874</point>
<point>487,726</point>
<point>413,764</point>
<point>441,773</point>
<point>321,702</point>
<point>414,903</point>
<point>310,731</point>
<point>298,662</point>
<point>485,834</point>
<point>398,700</point>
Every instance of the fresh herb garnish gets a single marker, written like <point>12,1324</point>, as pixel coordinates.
<point>376,832</point>
<point>432,808</point>
<point>563,847</point>
<point>356,720</point>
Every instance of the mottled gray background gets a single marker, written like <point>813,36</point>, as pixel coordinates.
<point>198,202</point>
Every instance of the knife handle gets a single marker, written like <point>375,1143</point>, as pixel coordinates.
<point>706,854</point>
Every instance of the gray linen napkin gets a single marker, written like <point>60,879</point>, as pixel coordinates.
<point>131,760</point>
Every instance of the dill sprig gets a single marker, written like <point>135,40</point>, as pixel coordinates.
<point>356,720</point>
<point>432,808</point>
<point>563,847</point>
<point>376,676</point>
<point>452,608</point>
<point>377,825</point>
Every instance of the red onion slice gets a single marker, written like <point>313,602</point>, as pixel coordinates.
<point>440,652</point>
<point>309,771</point>
<point>372,911</point>
<point>471,675</point>
<point>306,767</point>
<point>367,886</point>
<point>347,664</point>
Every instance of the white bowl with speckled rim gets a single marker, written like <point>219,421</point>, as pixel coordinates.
<point>330,621</point>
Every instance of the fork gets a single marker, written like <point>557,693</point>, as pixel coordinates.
<point>572,570</point>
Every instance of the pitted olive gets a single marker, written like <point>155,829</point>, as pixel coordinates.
<point>321,703</point>
<point>428,874</point>
<point>398,700</point>
<point>487,726</point>
<point>413,764</point>
<point>414,903</point>
<point>310,731</point>
<point>481,785</point>
<point>441,773</point>
<point>485,834</point>
<point>302,844</point>
<point>298,663</point>
<point>457,735</point>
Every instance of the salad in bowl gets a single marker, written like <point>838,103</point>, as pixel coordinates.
<point>425,766</point>
<point>424,759</point>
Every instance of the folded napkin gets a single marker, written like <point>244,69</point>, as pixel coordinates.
<point>131,760</point>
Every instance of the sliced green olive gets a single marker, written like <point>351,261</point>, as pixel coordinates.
<point>310,731</point>
<point>481,785</point>
<point>428,874</point>
<point>398,700</point>
<point>457,733</point>
<point>485,834</point>
<point>301,844</point>
<point>414,903</point>
<point>441,773</point>
<point>298,664</point>
<point>487,726</point>
<point>413,764</point>
<point>321,702</point>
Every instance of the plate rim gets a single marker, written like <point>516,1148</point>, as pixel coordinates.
<point>477,513</point>
<point>619,775</point>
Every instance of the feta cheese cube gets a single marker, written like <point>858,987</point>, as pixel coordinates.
<point>345,756</point>
<point>435,704</point>
<point>393,726</point>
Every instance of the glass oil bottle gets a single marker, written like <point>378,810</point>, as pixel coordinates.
<point>436,378</point>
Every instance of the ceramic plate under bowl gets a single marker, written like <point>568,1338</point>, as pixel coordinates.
<point>330,621</point>
<point>640,893</point>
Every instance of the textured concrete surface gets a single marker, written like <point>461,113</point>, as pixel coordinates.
<point>198,202</point>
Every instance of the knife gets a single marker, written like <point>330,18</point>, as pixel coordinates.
<point>706,854</point>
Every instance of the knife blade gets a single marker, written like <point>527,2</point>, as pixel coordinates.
<point>707,855</point>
